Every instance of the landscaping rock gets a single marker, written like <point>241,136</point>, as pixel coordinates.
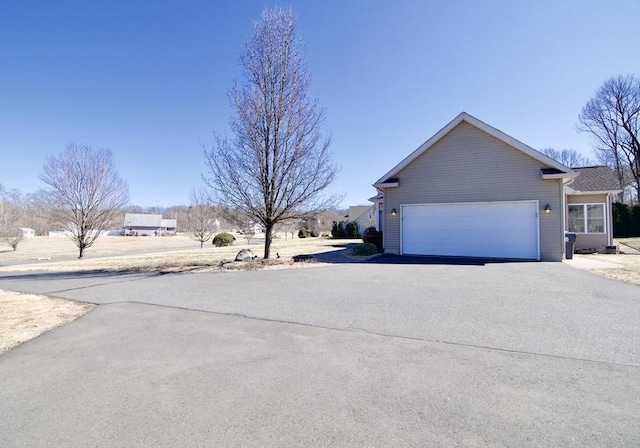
<point>245,255</point>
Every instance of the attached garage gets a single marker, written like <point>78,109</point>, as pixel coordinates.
<point>474,191</point>
<point>479,229</point>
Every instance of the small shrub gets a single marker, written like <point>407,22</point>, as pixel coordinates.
<point>334,230</point>
<point>223,239</point>
<point>373,236</point>
<point>337,230</point>
<point>370,231</point>
<point>303,233</point>
<point>351,230</point>
<point>313,234</point>
<point>364,249</point>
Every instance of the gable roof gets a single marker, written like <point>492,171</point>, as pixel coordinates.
<point>356,211</point>
<point>142,220</point>
<point>389,178</point>
<point>595,178</point>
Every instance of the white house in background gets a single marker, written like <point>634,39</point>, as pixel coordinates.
<point>146,224</point>
<point>363,215</point>
<point>26,232</point>
<point>251,228</point>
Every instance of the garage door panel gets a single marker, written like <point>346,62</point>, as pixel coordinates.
<point>493,229</point>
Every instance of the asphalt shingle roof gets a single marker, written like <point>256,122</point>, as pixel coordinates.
<point>595,178</point>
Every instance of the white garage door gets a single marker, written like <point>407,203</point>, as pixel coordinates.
<point>481,229</point>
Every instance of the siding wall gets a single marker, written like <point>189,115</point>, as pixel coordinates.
<point>591,240</point>
<point>469,165</point>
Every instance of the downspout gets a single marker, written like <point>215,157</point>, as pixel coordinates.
<point>563,217</point>
<point>609,222</point>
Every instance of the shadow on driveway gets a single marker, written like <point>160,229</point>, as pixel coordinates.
<point>341,256</point>
<point>75,275</point>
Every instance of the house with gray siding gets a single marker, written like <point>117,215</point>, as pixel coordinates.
<point>473,191</point>
<point>148,224</point>
<point>589,207</point>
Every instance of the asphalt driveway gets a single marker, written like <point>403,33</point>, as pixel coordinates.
<point>522,354</point>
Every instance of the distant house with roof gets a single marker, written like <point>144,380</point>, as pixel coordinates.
<point>363,215</point>
<point>147,224</point>
<point>589,198</point>
<point>27,232</point>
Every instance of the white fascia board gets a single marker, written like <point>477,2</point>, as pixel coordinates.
<point>580,192</point>
<point>422,148</point>
<point>383,185</point>
<point>528,150</point>
<point>483,127</point>
<point>558,176</point>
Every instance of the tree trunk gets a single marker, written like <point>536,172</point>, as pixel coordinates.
<point>267,240</point>
<point>81,247</point>
<point>201,244</point>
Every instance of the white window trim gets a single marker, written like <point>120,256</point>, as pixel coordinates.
<point>586,223</point>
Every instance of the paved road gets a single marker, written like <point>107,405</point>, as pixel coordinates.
<point>523,354</point>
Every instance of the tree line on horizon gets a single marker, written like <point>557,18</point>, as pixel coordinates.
<point>201,217</point>
<point>277,164</point>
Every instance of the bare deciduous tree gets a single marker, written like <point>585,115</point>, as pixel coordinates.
<point>201,217</point>
<point>568,157</point>
<point>612,117</point>
<point>12,215</point>
<point>86,192</point>
<point>278,163</point>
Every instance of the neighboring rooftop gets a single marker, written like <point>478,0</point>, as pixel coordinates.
<point>145,220</point>
<point>595,178</point>
<point>142,220</point>
<point>356,211</point>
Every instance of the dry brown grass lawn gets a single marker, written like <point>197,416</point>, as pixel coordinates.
<point>631,242</point>
<point>165,254</point>
<point>26,316</point>
<point>627,269</point>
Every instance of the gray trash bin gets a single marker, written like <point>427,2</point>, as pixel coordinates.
<point>569,244</point>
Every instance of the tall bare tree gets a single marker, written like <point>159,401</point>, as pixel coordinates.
<point>86,192</point>
<point>568,157</point>
<point>201,216</point>
<point>612,117</point>
<point>278,163</point>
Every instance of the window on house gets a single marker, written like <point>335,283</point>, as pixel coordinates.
<point>586,218</point>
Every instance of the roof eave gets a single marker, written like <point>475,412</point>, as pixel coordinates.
<point>559,176</point>
<point>383,185</point>
<point>584,192</point>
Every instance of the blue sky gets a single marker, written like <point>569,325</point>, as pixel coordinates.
<point>149,79</point>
